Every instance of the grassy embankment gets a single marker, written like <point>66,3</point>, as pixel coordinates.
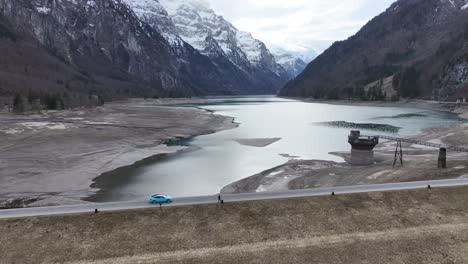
<point>421,226</point>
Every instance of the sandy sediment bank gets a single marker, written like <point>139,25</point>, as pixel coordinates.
<point>420,163</point>
<point>257,142</point>
<point>54,157</point>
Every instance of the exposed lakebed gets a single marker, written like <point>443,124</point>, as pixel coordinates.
<point>271,131</point>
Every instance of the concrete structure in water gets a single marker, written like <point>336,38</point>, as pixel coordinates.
<point>362,151</point>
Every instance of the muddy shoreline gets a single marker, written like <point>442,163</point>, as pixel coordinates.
<point>114,178</point>
<point>54,158</point>
<point>420,163</point>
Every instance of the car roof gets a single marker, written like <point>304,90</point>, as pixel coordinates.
<point>159,195</point>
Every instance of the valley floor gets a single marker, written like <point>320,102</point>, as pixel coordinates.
<point>52,158</point>
<point>417,226</point>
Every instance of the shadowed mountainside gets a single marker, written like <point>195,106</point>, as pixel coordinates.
<point>421,43</point>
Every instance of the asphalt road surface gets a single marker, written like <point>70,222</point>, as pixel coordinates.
<point>140,204</point>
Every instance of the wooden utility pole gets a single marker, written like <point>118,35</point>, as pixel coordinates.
<point>442,164</point>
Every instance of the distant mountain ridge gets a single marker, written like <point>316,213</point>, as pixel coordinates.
<point>293,65</point>
<point>421,44</point>
<point>294,62</point>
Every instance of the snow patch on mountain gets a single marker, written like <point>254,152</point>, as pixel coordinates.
<point>293,65</point>
<point>465,6</point>
<point>306,55</point>
<point>250,46</point>
<point>43,10</point>
<point>155,15</point>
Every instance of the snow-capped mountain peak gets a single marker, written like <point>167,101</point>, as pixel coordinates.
<point>199,25</point>
<point>194,22</point>
<point>292,64</point>
<point>191,27</point>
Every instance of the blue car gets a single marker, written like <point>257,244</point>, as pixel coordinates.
<point>160,199</point>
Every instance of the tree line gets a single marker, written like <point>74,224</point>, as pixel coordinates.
<point>31,102</point>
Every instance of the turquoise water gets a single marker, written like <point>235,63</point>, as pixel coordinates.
<point>219,160</point>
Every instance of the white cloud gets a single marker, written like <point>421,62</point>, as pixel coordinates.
<point>300,25</point>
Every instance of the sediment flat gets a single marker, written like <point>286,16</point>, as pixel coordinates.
<point>53,157</point>
<point>257,142</point>
<point>420,163</point>
<point>417,226</point>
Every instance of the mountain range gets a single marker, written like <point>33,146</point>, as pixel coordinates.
<point>246,64</point>
<point>415,49</point>
<point>76,49</point>
<point>66,53</point>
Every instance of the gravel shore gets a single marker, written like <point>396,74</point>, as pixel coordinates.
<point>52,158</point>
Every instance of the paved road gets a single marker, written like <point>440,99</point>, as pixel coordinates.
<point>118,206</point>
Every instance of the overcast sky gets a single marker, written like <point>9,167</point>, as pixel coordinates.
<point>299,25</point>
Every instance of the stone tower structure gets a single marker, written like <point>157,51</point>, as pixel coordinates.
<point>362,151</point>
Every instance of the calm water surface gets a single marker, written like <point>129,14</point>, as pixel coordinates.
<point>219,160</point>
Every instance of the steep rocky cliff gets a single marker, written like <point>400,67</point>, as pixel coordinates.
<point>422,43</point>
<point>101,39</point>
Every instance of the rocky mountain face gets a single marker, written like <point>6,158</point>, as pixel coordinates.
<point>209,77</point>
<point>218,39</point>
<point>421,44</point>
<point>88,46</point>
<point>74,50</point>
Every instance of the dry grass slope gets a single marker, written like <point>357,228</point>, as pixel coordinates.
<point>423,226</point>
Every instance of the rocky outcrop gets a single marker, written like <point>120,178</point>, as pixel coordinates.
<point>453,81</point>
<point>420,42</point>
